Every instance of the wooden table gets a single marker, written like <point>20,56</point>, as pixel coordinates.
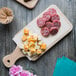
<point>45,65</point>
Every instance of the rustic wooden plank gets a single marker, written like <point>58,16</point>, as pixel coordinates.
<point>2,41</point>
<point>66,28</point>
<point>24,16</point>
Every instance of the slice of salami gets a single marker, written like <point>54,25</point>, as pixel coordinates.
<point>53,30</point>
<point>52,11</point>
<point>47,15</point>
<point>57,23</point>
<point>45,31</point>
<point>41,22</point>
<point>55,17</point>
<point>49,25</point>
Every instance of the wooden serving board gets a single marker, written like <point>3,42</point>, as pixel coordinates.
<point>30,4</point>
<point>50,41</point>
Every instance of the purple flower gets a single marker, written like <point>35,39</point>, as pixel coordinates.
<point>18,71</point>
<point>15,70</point>
<point>26,73</point>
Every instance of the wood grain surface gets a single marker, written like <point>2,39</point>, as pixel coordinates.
<point>45,65</point>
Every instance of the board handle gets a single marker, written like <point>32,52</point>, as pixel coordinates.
<point>10,59</point>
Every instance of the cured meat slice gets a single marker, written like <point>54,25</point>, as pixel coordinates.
<point>52,11</point>
<point>49,25</point>
<point>47,15</point>
<point>55,17</point>
<point>45,31</point>
<point>53,30</point>
<point>49,22</point>
<point>41,22</point>
<point>57,23</point>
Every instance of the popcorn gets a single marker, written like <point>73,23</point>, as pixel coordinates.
<point>18,71</point>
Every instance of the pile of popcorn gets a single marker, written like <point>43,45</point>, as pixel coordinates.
<point>18,71</point>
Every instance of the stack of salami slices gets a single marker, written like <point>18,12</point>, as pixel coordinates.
<point>49,22</point>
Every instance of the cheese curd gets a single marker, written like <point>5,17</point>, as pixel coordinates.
<point>32,44</point>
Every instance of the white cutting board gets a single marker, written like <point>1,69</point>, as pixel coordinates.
<point>65,28</point>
